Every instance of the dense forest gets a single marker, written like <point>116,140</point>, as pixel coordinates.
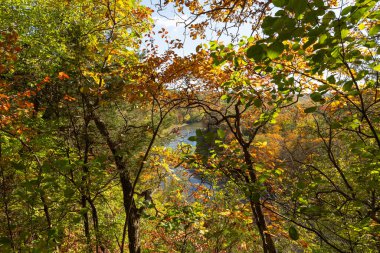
<point>112,139</point>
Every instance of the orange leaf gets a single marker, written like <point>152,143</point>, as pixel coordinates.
<point>28,104</point>
<point>5,106</point>
<point>47,78</point>
<point>304,244</point>
<point>63,75</point>
<point>68,98</point>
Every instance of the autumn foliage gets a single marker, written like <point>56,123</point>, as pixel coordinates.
<point>114,140</point>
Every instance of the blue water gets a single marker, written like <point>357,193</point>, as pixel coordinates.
<point>183,137</point>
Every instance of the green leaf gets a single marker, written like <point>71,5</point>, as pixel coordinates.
<point>5,241</point>
<point>336,52</point>
<point>374,30</point>
<point>272,54</point>
<point>256,52</point>
<point>274,50</point>
<point>316,96</point>
<point>279,3</point>
<point>192,138</point>
<point>323,87</point>
<point>319,3</point>
<point>53,233</point>
<point>322,38</point>
<point>318,57</point>
<point>224,97</point>
<point>262,178</point>
<point>377,68</point>
<point>257,102</point>
<point>68,192</point>
<point>347,86</point>
<point>296,46</point>
<point>298,6</point>
<point>236,62</point>
<point>331,79</point>
<point>344,33</point>
<point>269,69</point>
<point>293,233</point>
<point>346,10</point>
<point>328,17</point>
<point>310,109</point>
<point>221,133</point>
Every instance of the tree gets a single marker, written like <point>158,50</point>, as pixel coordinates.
<point>339,50</point>
<point>245,102</point>
<point>290,144</point>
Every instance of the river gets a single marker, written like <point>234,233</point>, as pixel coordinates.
<point>183,137</point>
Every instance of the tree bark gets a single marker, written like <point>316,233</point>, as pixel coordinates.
<point>84,185</point>
<point>131,211</point>
<point>134,230</point>
<point>258,215</point>
<point>6,201</point>
<point>86,226</point>
<point>95,220</point>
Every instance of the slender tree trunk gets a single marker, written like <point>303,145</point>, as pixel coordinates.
<point>9,223</point>
<point>84,186</point>
<point>48,216</point>
<point>258,215</point>
<point>86,226</point>
<point>134,230</point>
<point>132,212</point>
<point>6,201</point>
<point>45,205</point>
<point>46,210</point>
<point>268,244</point>
<point>95,221</point>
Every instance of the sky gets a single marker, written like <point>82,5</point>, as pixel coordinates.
<point>173,23</point>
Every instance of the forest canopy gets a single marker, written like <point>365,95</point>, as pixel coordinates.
<point>115,136</point>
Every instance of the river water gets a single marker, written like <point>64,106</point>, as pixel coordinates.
<point>183,137</point>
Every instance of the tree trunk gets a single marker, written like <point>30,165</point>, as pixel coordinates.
<point>84,186</point>
<point>134,230</point>
<point>258,215</point>
<point>268,244</point>
<point>86,226</point>
<point>131,211</point>
<point>5,198</point>
<point>95,220</point>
